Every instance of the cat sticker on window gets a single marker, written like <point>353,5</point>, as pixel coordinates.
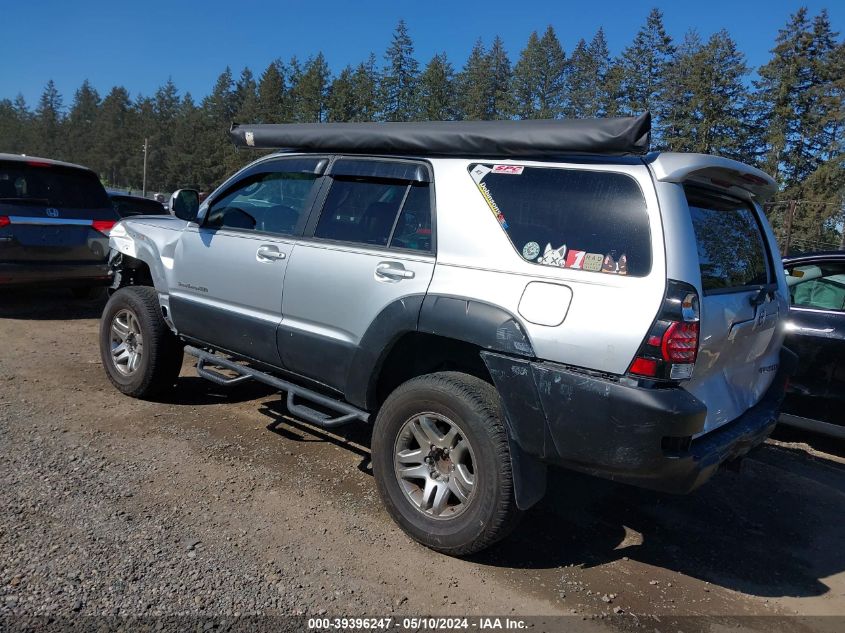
<point>553,256</point>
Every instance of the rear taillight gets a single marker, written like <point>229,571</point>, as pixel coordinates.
<point>103,226</point>
<point>4,221</point>
<point>671,345</point>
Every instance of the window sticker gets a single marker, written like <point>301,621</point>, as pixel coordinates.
<point>514,170</point>
<point>478,176</point>
<point>575,259</point>
<point>613,266</point>
<point>593,262</point>
<point>531,250</point>
<point>553,256</point>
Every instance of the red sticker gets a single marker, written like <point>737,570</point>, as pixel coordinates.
<point>575,259</point>
<point>516,170</point>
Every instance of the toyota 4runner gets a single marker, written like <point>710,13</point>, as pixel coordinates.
<point>495,296</point>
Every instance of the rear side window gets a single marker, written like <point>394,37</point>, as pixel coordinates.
<point>377,212</point>
<point>43,184</point>
<point>731,251</point>
<point>584,220</point>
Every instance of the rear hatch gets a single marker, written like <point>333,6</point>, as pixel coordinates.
<point>741,304</point>
<point>52,213</point>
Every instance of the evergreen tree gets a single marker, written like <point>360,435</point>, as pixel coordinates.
<point>680,120</point>
<point>475,85</point>
<point>365,90</point>
<point>399,78</point>
<point>341,101</point>
<point>500,75</point>
<point>310,90</point>
<point>705,100</point>
<point>644,65</point>
<point>612,91</point>
<point>272,104</point>
<point>587,79</point>
<point>115,139</point>
<point>212,143</point>
<point>539,78</point>
<point>82,129</point>
<point>49,115</point>
<point>15,125</point>
<point>436,92</point>
<point>246,98</point>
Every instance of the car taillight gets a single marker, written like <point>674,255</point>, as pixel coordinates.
<point>4,221</point>
<point>670,348</point>
<point>103,226</point>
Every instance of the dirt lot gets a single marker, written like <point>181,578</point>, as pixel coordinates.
<point>216,503</point>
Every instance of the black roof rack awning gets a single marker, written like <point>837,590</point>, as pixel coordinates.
<point>527,138</point>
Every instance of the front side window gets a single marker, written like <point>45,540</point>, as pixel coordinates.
<point>367,211</point>
<point>731,251</point>
<point>585,220</point>
<point>269,202</point>
<point>818,286</point>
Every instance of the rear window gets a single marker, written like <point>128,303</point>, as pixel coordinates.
<point>731,251</point>
<point>579,219</point>
<point>50,186</point>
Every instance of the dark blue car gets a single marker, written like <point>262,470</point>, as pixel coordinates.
<point>815,331</point>
<point>55,219</point>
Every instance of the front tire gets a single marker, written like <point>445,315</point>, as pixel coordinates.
<point>441,462</point>
<point>140,354</point>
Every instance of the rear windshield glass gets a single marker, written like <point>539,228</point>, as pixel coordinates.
<point>731,252</point>
<point>585,220</point>
<point>51,186</point>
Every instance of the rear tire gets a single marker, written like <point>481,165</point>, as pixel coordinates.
<point>140,354</point>
<point>458,499</point>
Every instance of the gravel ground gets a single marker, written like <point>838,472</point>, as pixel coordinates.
<point>215,503</point>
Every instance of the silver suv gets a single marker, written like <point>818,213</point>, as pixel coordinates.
<point>496,296</point>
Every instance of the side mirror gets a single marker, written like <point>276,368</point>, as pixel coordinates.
<point>184,204</point>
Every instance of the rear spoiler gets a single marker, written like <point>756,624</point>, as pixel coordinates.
<point>734,177</point>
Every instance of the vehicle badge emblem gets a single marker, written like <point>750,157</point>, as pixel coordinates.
<point>52,213</point>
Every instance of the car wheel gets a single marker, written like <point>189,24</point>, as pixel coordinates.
<point>441,461</point>
<point>142,357</point>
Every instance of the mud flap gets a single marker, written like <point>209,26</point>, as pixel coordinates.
<point>529,476</point>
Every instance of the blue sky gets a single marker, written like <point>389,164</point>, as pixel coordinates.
<point>140,44</point>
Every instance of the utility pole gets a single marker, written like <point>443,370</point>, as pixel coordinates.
<point>144,185</point>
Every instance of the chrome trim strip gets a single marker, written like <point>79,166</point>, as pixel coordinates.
<point>22,219</point>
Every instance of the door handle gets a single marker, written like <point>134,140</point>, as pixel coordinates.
<point>394,272</point>
<point>268,254</point>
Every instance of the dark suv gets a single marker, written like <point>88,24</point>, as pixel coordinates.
<point>55,219</point>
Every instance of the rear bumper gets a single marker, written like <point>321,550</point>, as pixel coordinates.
<point>628,434</point>
<point>45,273</point>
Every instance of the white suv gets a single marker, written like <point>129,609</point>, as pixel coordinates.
<point>497,296</point>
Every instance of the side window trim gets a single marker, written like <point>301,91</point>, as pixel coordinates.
<point>275,165</point>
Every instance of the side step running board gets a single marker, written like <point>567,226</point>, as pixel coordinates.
<point>346,413</point>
